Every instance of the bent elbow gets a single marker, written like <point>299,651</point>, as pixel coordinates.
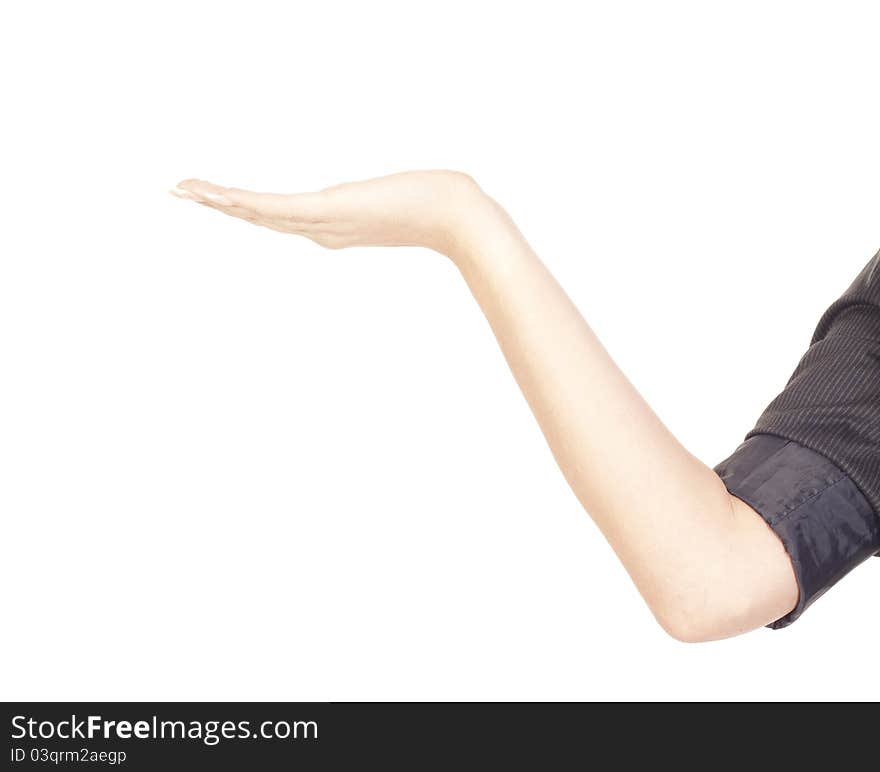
<point>689,629</point>
<point>707,618</point>
<point>741,582</point>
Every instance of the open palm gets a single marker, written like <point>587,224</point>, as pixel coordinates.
<point>416,208</point>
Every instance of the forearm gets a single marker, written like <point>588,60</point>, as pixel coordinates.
<point>667,516</point>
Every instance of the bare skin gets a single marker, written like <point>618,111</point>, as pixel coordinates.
<point>705,562</point>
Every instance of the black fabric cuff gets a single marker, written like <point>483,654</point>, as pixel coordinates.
<point>824,521</point>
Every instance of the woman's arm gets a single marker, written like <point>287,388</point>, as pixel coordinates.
<point>706,563</point>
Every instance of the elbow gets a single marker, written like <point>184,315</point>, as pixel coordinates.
<point>743,584</point>
<point>690,629</point>
<point>707,617</point>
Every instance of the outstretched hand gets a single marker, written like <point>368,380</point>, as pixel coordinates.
<point>430,209</point>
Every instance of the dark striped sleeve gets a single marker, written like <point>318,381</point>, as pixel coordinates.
<point>831,404</point>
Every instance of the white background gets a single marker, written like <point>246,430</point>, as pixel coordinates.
<point>235,466</point>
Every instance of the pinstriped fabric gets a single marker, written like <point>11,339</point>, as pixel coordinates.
<point>831,404</point>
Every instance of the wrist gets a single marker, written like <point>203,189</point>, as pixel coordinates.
<point>484,233</point>
<point>475,225</point>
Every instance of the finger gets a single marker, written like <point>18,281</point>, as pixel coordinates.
<point>214,197</point>
<point>242,213</point>
<point>201,191</point>
<point>239,212</point>
<point>300,207</point>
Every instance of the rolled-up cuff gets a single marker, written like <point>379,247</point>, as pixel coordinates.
<point>825,523</point>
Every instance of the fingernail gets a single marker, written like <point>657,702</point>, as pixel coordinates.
<point>217,198</point>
